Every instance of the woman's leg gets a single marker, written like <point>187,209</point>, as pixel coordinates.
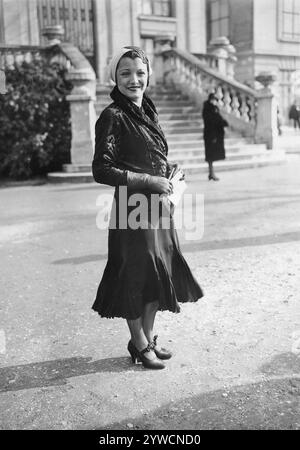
<point>211,173</point>
<point>138,336</point>
<point>148,318</point>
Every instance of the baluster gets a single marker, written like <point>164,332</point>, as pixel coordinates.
<point>227,101</point>
<point>199,78</point>
<point>10,60</point>
<point>244,109</point>
<point>235,105</point>
<point>219,95</point>
<point>251,109</point>
<point>28,57</point>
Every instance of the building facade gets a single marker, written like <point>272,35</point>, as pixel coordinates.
<point>266,35</point>
<point>99,27</point>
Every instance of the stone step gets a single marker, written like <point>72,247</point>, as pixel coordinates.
<point>199,150</point>
<point>230,156</point>
<point>64,177</point>
<point>180,123</point>
<point>168,96</point>
<point>275,157</point>
<point>182,131</point>
<point>173,103</point>
<point>177,110</point>
<point>175,137</point>
<point>171,117</point>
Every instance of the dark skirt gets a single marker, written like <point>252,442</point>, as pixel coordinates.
<point>144,265</point>
<point>214,148</point>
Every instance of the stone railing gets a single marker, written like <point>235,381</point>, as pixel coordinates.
<point>251,112</point>
<point>211,61</point>
<point>16,54</point>
<point>83,95</point>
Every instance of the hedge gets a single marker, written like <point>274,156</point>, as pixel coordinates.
<point>35,125</point>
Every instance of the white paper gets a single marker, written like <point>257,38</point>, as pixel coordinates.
<point>179,186</point>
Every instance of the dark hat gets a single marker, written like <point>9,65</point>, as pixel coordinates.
<point>212,97</point>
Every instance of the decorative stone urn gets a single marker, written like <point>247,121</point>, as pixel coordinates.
<point>53,34</point>
<point>266,79</point>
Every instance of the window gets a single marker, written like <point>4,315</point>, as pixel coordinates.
<point>218,18</point>
<point>289,20</point>
<point>157,7</point>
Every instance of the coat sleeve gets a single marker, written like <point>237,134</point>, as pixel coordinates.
<point>107,148</point>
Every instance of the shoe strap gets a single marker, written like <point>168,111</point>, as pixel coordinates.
<point>154,342</point>
<point>147,349</point>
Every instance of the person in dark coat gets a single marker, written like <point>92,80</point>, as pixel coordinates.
<point>146,270</point>
<point>294,114</point>
<point>214,125</point>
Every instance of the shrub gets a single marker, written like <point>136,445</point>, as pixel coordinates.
<point>35,125</point>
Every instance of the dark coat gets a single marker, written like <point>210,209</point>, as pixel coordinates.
<point>128,138</point>
<point>294,112</point>
<point>214,125</point>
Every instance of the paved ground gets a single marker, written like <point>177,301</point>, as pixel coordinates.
<point>237,351</point>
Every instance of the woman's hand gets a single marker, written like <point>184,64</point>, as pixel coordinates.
<point>161,185</point>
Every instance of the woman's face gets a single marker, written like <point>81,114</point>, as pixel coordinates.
<point>132,77</point>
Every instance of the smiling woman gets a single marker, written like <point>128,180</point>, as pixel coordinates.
<point>146,270</point>
<point>132,79</point>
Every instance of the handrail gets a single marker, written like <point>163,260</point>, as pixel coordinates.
<point>191,59</point>
<point>237,101</point>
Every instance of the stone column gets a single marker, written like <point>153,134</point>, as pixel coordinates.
<point>266,131</point>
<point>82,98</point>
<point>161,43</point>
<point>218,48</point>
<point>101,39</point>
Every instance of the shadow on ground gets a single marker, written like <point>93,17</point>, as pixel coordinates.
<point>190,247</point>
<point>57,371</point>
<point>267,405</point>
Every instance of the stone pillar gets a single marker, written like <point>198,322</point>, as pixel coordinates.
<point>231,61</point>
<point>161,43</point>
<point>266,131</point>
<point>83,134</point>
<point>217,47</point>
<point>101,39</point>
<point>82,98</point>
<point>225,52</point>
<point>83,118</point>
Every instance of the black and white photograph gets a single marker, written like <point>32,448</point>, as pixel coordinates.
<point>150,218</point>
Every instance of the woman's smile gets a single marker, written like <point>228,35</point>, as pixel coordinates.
<point>132,79</point>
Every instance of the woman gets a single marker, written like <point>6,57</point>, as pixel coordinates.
<point>294,114</point>
<point>214,125</point>
<point>145,271</point>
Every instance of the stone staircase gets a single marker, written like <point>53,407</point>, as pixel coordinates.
<point>183,127</point>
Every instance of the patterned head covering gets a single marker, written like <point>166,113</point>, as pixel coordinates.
<point>118,55</point>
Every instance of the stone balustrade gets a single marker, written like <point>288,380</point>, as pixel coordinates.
<point>17,54</point>
<point>240,104</point>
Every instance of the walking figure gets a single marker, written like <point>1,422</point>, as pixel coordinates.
<point>294,114</point>
<point>214,125</point>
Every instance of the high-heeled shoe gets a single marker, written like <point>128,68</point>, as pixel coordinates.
<point>137,355</point>
<point>162,353</point>
<point>213,177</point>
